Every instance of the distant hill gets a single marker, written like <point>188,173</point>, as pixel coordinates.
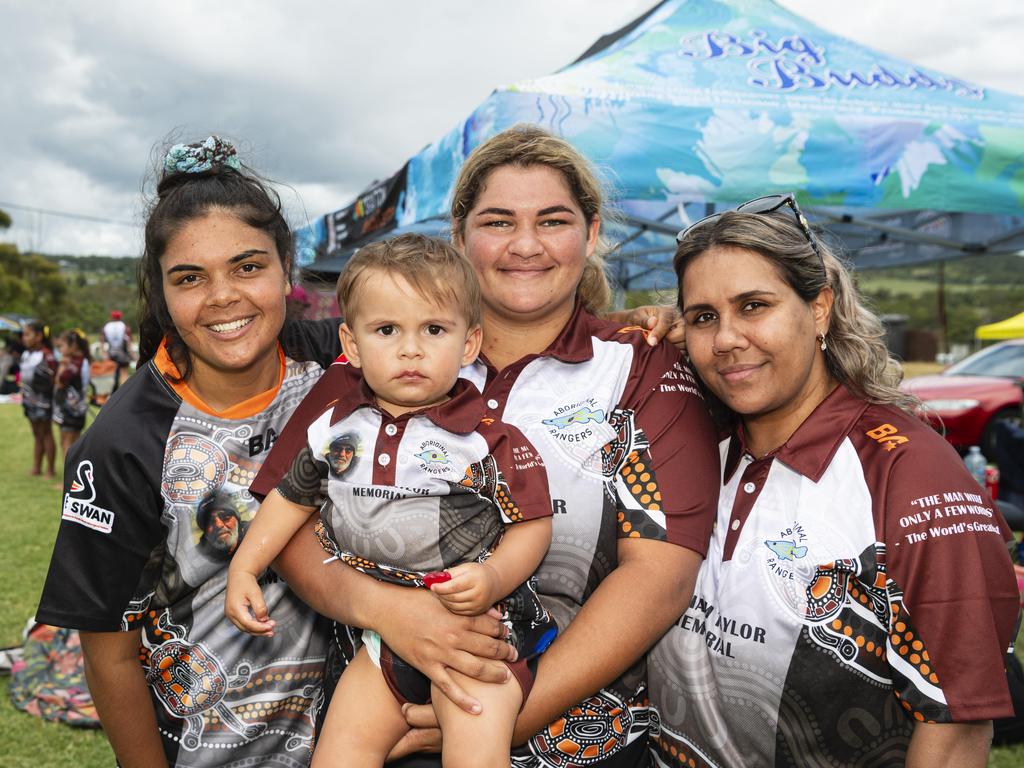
<point>978,290</point>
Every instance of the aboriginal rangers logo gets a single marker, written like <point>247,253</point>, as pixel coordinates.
<point>572,423</point>
<point>434,458</point>
<point>78,506</point>
<point>787,550</point>
<point>788,562</point>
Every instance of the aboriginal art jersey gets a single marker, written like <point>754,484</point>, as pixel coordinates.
<point>416,493</point>
<point>629,452</point>
<point>37,367</point>
<point>155,502</point>
<point>70,398</point>
<point>857,583</point>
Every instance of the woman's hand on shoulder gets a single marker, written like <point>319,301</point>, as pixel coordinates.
<point>661,322</point>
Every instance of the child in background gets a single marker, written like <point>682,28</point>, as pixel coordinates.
<point>419,489</point>
<point>71,387</point>
<point>38,366</point>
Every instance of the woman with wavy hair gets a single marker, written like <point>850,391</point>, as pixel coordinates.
<point>857,598</point>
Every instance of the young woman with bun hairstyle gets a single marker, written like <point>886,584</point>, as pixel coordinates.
<point>133,567</point>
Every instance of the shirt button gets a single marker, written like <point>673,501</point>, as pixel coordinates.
<point>749,487</point>
<point>390,430</point>
<point>383,459</point>
<point>735,524</point>
<point>492,403</point>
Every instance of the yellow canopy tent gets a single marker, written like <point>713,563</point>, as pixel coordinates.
<point>1011,328</point>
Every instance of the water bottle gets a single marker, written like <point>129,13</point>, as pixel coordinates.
<point>976,463</point>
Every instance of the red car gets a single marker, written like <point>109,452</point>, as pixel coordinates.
<point>966,400</point>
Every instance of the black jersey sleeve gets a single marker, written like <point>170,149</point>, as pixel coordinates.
<point>111,509</point>
<point>312,340</point>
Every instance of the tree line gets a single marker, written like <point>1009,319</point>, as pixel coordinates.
<point>66,291</point>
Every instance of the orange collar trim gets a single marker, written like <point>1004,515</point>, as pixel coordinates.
<point>245,409</point>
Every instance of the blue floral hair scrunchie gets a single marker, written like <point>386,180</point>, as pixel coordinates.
<point>201,157</point>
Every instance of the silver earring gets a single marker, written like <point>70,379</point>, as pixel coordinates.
<point>824,346</point>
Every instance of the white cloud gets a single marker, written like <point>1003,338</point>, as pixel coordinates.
<point>328,97</point>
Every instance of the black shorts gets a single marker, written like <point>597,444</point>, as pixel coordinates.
<point>410,686</point>
<point>38,413</point>
<point>69,423</point>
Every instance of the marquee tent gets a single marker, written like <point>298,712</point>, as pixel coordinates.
<point>701,104</point>
<point>1011,328</point>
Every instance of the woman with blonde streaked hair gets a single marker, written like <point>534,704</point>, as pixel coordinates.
<point>857,598</point>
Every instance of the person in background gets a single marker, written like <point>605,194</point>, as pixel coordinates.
<point>10,358</point>
<point>70,395</point>
<point>116,343</point>
<point>38,366</point>
<point>857,597</point>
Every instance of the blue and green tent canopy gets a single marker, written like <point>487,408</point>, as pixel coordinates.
<point>701,104</point>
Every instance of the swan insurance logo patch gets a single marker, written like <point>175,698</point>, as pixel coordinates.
<point>78,506</point>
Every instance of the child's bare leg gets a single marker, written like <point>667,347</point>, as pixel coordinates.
<point>484,740</point>
<point>364,720</point>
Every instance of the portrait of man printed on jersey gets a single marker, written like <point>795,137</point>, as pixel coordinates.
<point>342,454</point>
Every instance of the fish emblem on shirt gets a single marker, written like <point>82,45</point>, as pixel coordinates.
<point>785,550</point>
<point>581,416</point>
<point>433,457</point>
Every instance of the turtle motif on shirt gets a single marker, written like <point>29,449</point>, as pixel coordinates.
<point>194,464</point>
<point>590,732</point>
<point>191,682</point>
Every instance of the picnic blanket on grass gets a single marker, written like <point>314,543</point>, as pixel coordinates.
<point>48,680</point>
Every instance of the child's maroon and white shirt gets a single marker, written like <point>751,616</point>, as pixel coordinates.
<point>404,496</point>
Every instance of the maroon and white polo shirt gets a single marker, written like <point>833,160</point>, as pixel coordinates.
<point>857,582</point>
<point>410,494</point>
<point>630,452</point>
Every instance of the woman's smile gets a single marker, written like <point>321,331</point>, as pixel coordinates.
<point>231,326</point>
<point>740,372</point>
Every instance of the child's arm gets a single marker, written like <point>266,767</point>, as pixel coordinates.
<point>272,527</point>
<point>475,587</point>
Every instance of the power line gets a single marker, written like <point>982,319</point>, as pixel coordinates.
<point>67,215</point>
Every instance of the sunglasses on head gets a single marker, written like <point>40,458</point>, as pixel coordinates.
<point>765,204</point>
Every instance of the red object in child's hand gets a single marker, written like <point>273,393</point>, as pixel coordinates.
<point>436,577</point>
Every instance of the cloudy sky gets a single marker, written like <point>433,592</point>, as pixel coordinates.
<point>330,96</point>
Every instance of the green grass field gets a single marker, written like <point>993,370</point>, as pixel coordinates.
<point>29,514</point>
<point>870,284</point>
